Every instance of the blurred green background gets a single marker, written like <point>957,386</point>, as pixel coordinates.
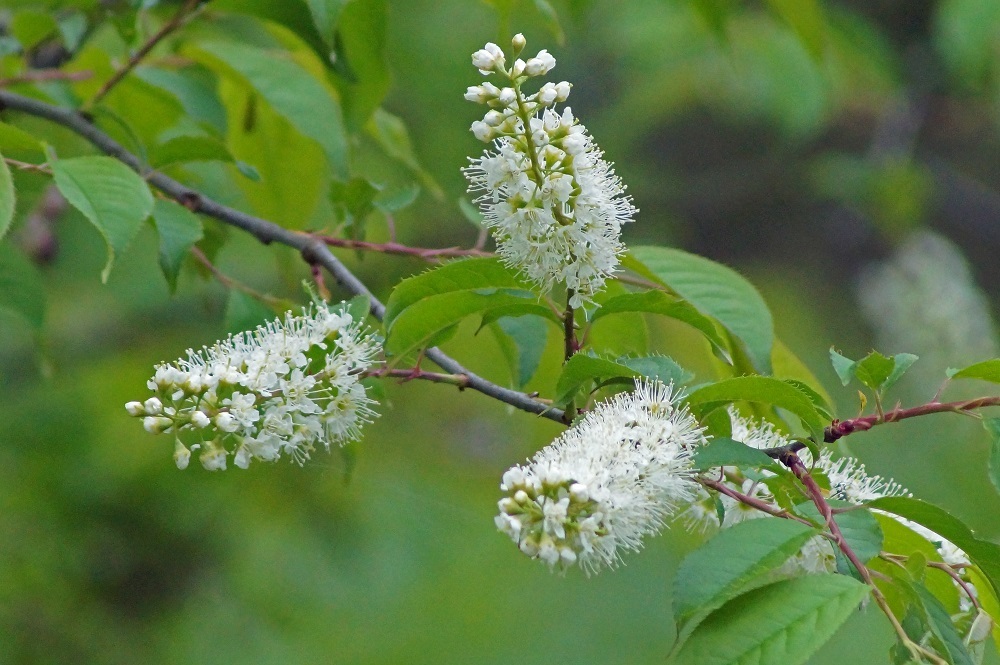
<point>845,161</point>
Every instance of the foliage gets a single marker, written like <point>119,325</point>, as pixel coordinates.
<point>204,140</point>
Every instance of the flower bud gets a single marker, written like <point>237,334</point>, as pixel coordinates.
<point>517,69</point>
<point>135,409</point>
<point>475,93</point>
<point>156,425</point>
<point>182,456</point>
<point>200,420</point>
<point>226,422</point>
<point>517,44</point>
<point>540,65</point>
<point>507,97</point>
<point>482,131</point>
<point>562,90</point>
<point>488,58</point>
<point>213,458</point>
<point>153,406</point>
<point>547,95</point>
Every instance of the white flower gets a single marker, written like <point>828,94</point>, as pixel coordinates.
<point>604,484</point>
<point>554,204</point>
<point>284,388</point>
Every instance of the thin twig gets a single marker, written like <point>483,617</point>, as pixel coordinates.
<point>569,326</point>
<point>425,253</point>
<point>841,428</point>
<point>231,283</point>
<point>28,166</point>
<point>460,380</point>
<point>751,501</point>
<point>958,580</point>
<point>37,75</point>
<point>143,51</point>
<point>312,249</point>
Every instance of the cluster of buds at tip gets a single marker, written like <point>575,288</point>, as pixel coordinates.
<point>554,204</point>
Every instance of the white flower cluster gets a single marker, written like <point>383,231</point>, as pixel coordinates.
<point>604,484</point>
<point>283,388</point>
<point>555,205</point>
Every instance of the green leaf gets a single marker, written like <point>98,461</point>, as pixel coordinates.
<point>184,149</point>
<point>522,339</point>
<point>551,20</point>
<point>729,563</point>
<point>362,47</point>
<point>760,389</point>
<point>992,426</point>
<point>584,368</point>
<point>8,199</point>
<point>108,193</point>
<point>195,88</point>
<point>873,370</point>
<point>309,104</point>
<point>843,365</point>
<point>780,624</point>
<point>860,528</point>
<point>31,27</point>
<point>942,627</point>
<point>902,361</point>
<point>658,302</point>
<point>21,291</point>
<point>988,370</point>
<point>179,229</point>
<point>390,133</point>
<point>983,553</point>
<point>19,144</point>
<point>358,307</point>
<point>430,321</point>
<point>715,290</point>
<point>325,14</point>
<point>466,274</point>
<point>394,199</point>
<point>727,452</point>
<point>353,202</point>
<point>806,19</point>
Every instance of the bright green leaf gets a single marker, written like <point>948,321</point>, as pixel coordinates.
<point>21,290</point>
<point>19,144</point>
<point>466,274</point>
<point>729,563</point>
<point>179,229</point>
<point>760,389</point>
<point>527,336</point>
<point>658,302</point>
<point>983,553</point>
<point>109,194</point>
<point>431,320</point>
<point>306,102</point>
<point>873,370</point>
<point>715,290</point>
<point>779,624</point>
<point>8,199</point>
<point>988,370</point>
<point>843,365</point>
<point>184,149</point>
<point>584,368</point>
<point>722,451</point>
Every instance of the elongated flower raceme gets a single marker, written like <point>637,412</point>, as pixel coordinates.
<point>285,387</point>
<point>604,484</point>
<point>554,204</point>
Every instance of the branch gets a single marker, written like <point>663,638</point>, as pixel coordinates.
<point>753,502</point>
<point>460,380</point>
<point>35,75</point>
<point>313,250</point>
<point>841,428</point>
<point>143,51</point>
<point>425,253</point>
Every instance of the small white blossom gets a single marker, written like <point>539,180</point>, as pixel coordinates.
<point>554,204</point>
<point>284,388</point>
<point>604,484</point>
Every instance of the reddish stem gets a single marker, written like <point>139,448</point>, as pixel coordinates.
<point>841,428</point>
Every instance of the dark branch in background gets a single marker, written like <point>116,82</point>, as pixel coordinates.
<point>313,249</point>
<point>149,45</point>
